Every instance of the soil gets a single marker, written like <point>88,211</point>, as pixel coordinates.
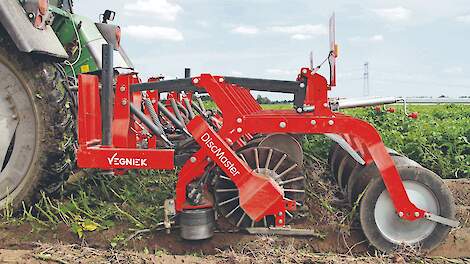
<point>342,238</point>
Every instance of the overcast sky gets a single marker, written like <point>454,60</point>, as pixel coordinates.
<point>414,47</point>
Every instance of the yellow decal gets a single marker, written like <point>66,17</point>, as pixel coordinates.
<point>85,68</point>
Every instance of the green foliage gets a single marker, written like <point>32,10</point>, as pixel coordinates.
<point>97,201</point>
<point>438,139</point>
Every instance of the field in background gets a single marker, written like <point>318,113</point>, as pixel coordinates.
<point>439,139</point>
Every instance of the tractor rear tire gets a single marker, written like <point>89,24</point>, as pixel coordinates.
<point>40,155</point>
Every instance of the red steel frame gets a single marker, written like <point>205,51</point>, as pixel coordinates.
<point>242,118</point>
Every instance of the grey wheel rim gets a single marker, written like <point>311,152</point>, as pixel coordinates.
<point>399,231</point>
<point>18,123</point>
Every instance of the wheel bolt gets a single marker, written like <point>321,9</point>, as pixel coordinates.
<point>280,221</point>
<point>124,102</point>
<point>331,122</point>
<point>239,120</point>
<point>401,214</point>
<point>280,214</point>
<point>282,125</point>
<point>193,159</point>
<point>416,214</point>
<point>196,80</point>
<point>313,122</point>
<point>122,89</point>
<point>239,130</point>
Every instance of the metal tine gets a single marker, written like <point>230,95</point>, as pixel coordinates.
<point>226,190</point>
<point>243,158</point>
<point>291,180</point>
<point>198,109</point>
<point>189,107</point>
<point>265,222</point>
<point>229,200</point>
<point>286,171</point>
<point>268,159</point>
<point>225,178</point>
<point>256,159</point>
<point>233,211</point>
<point>241,219</point>
<point>182,108</point>
<point>173,119</point>
<point>290,215</point>
<point>294,190</point>
<point>176,110</point>
<point>280,162</point>
<point>252,223</point>
<point>201,104</point>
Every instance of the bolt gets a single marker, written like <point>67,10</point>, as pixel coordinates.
<point>299,110</point>
<point>416,214</point>
<point>280,214</point>
<point>304,71</point>
<point>282,125</point>
<point>229,141</point>
<point>209,160</point>
<point>239,130</point>
<point>313,122</point>
<point>280,221</point>
<point>302,85</point>
<point>196,81</point>
<point>239,120</point>
<point>193,159</point>
<point>124,102</point>
<point>401,214</point>
<point>221,79</point>
<point>331,122</point>
<point>122,88</point>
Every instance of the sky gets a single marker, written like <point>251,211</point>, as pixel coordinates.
<point>413,47</point>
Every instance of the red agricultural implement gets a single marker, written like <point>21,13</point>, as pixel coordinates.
<point>246,163</point>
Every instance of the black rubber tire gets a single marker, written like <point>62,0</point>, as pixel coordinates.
<point>408,173</point>
<point>362,175</point>
<point>52,157</point>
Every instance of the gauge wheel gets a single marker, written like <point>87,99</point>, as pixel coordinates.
<point>386,231</point>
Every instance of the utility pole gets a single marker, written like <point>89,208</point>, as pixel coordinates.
<point>366,79</point>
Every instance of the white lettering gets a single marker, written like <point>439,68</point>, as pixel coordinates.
<point>136,162</point>
<point>220,155</point>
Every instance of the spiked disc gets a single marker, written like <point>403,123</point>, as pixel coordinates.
<point>269,162</point>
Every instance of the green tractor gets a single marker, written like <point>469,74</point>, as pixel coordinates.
<point>43,47</point>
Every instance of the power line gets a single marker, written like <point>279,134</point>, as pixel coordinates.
<point>366,79</point>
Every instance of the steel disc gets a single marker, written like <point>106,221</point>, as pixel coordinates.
<point>270,163</point>
<point>397,230</point>
<point>285,143</point>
